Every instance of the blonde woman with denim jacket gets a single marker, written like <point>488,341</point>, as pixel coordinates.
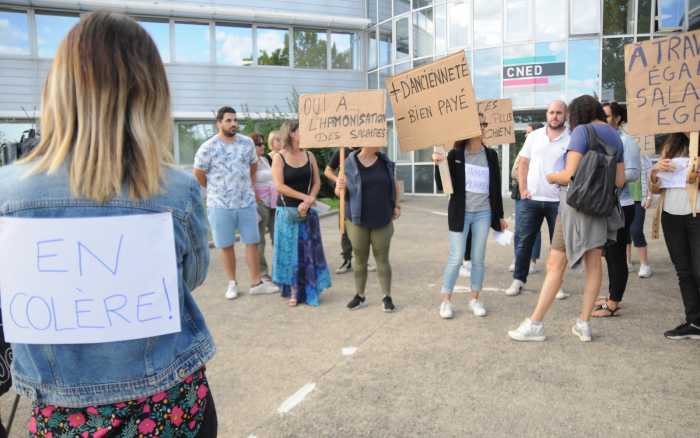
<point>105,151</point>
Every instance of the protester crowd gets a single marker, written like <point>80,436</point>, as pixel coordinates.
<point>158,386</point>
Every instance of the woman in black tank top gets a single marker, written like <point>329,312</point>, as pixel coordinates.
<point>296,178</point>
<point>299,264</point>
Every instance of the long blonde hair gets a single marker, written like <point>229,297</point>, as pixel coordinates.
<point>286,131</point>
<point>106,110</point>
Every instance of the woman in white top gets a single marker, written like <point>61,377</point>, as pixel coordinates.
<point>681,232</point>
<point>266,197</point>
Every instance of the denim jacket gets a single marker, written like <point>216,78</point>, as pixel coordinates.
<point>354,184</point>
<point>81,375</point>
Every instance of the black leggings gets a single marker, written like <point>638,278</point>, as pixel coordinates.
<point>210,424</point>
<point>616,258</point>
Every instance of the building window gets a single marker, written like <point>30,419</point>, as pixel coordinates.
<point>618,17</point>
<point>343,46</point>
<point>550,20</point>
<point>310,48</point>
<point>384,10</point>
<point>372,49</point>
<point>551,84</point>
<point>402,40</point>
<point>671,14</point>
<point>192,43</point>
<point>487,73</point>
<point>273,46</point>
<point>384,44</point>
<point>518,75</point>
<point>234,44</point>
<point>644,16</point>
<point>11,132</point>
<point>160,33</point>
<point>585,17</point>
<point>488,23</point>
<point>405,175</point>
<point>372,81</point>
<point>614,69</point>
<point>383,75</point>
<point>191,135</point>
<point>440,29</point>
<point>372,10</point>
<point>423,31</point>
<point>424,156</point>
<point>50,30</point>
<point>401,6</point>
<point>518,20</point>
<point>390,143</point>
<point>421,3</point>
<point>583,69</point>
<point>14,37</point>
<point>459,18</point>
<point>400,68</point>
<point>693,14</point>
<point>425,178</point>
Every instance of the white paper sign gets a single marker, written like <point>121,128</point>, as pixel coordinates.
<point>504,238</point>
<point>677,178</point>
<point>88,280</point>
<point>476,178</point>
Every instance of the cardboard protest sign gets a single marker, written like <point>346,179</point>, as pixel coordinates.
<point>662,80</point>
<point>434,104</point>
<point>343,119</point>
<point>496,118</point>
<point>88,280</point>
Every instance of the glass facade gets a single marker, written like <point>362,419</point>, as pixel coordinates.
<point>531,51</point>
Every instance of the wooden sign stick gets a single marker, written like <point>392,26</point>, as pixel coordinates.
<point>444,171</point>
<point>341,172</point>
<point>692,186</point>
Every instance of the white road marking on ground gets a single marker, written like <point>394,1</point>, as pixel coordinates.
<point>296,398</point>
<point>467,289</point>
<point>439,213</point>
<point>349,351</point>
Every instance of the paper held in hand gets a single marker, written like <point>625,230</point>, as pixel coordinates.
<point>434,104</point>
<point>88,280</point>
<point>662,81</point>
<point>343,119</point>
<point>676,179</point>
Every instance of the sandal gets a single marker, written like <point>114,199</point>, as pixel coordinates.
<point>604,307</point>
<point>293,301</point>
<point>603,300</point>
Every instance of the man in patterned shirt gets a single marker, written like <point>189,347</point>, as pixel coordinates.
<point>225,165</point>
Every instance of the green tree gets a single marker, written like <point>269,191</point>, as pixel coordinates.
<point>310,49</point>
<point>278,56</point>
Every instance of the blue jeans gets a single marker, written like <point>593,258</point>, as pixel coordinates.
<point>537,247</point>
<point>529,223</point>
<point>479,223</point>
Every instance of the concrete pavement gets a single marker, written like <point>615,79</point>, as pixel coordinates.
<point>415,375</point>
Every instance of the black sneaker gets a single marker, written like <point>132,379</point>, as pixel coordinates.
<point>388,304</point>
<point>684,331</point>
<point>357,302</point>
<point>344,268</point>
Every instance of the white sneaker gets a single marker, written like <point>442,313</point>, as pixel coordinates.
<point>264,288</point>
<point>515,288</point>
<point>511,268</point>
<point>582,329</point>
<point>533,268</point>
<point>630,267</point>
<point>446,310</point>
<point>644,271</point>
<point>561,295</point>
<point>527,331</point>
<point>232,291</point>
<point>477,308</point>
<point>466,269</point>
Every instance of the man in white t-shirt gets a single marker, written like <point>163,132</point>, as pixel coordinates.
<point>542,154</point>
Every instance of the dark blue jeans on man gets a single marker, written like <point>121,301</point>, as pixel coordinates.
<point>530,216</point>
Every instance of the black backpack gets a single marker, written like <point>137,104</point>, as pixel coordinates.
<point>592,190</point>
